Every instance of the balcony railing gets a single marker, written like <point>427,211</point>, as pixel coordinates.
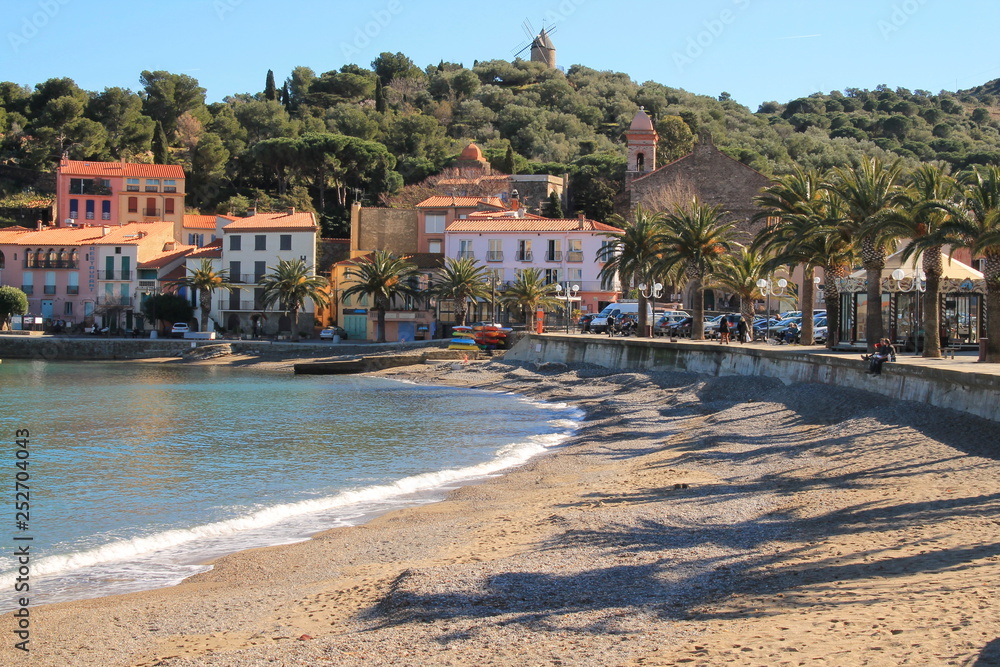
<point>90,215</point>
<point>524,256</point>
<point>246,278</point>
<point>466,254</point>
<point>147,284</point>
<point>114,275</point>
<point>151,212</point>
<point>494,255</point>
<point>553,256</point>
<point>233,305</point>
<point>28,289</point>
<point>73,289</point>
<point>574,256</point>
<point>45,264</point>
<point>115,301</point>
<point>49,289</point>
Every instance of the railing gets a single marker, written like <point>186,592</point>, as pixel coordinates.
<point>58,264</point>
<point>90,215</point>
<point>105,216</point>
<point>574,256</point>
<point>49,289</point>
<point>524,256</point>
<point>494,255</point>
<point>28,289</point>
<point>466,254</point>
<point>251,306</point>
<point>113,301</point>
<point>73,289</point>
<point>114,275</point>
<point>553,256</point>
<point>246,278</point>
<point>147,284</point>
<point>151,212</point>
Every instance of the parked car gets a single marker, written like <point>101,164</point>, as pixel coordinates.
<point>683,328</point>
<point>329,332</point>
<point>667,320</point>
<point>584,322</point>
<point>179,329</point>
<point>733,319</point>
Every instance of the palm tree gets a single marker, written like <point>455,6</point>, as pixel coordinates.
<point>870,193</point>
<point>206,279</point>
<point>697,237</point>
<point>932,190</point>
<point>795,201</point>
<point>978,228</point>
<point>530,292</point>
<point>289,285</point>
<point>382,276</point>
<point>461,280</point>
<point>740,272</point>
<point>633,255</point>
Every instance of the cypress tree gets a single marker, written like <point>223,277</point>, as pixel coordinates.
<point>553,207</point>
<point>285,99</point>
<point>507,165</point>
<point>270,91</point>
<point>160,153</point>
<point>380,105</point>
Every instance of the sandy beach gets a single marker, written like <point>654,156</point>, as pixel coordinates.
<point>692,520</point>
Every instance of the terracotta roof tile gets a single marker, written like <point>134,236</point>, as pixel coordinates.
<point>138,233</point>
<point>165,257</point>
<point>533,224</point>
<point>121,169</point>
<point>12,234</point>
<point>273,222</point>
<point>447,201</point>
<point>174,274</point>
<point>212,250</point>
<point>199,221</point>
<point>60,236</point>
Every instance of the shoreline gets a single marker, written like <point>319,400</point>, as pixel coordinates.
<point>692,517</point>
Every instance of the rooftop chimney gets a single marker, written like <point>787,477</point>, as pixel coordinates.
<point>291,210</point>
<point>38,226</point>
<point>104,230</point>
<point>515,203</point>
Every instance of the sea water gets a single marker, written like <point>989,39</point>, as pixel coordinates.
<point>139,473</point>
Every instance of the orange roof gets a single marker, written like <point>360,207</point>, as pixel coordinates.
<point>165,257</point>
<point>60,236</point>
<point>12,234</point>
<point>199,221</point>
<point>137,233</point>
<point>641,122</point>
<point>472,152</point>
<point>174,274</point>
<point>212,250</point>
<point>263,222</point>
<point>120,169</point>
<point>461,202</point>
<point>533,224</point>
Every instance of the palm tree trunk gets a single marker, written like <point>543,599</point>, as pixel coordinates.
<point>932,303</point>
<point>992,307</point>
<point>831,295</point>
<point>808,291</point>
<point>698,314</point>
<point>642,319</point>
<point>380,326</point>
<point>205,298</point>
<point>295,323</point>
<point>873,260</point>
<point>746,312</point>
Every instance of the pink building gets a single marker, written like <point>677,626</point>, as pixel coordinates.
<point>116,193</point>
<point>436,213</point>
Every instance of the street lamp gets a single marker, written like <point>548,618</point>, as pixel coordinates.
<point>571,293</point>
<point>495,284</point>
<point>655,290</point>
<point>766,286</point>
<point>917,281</point>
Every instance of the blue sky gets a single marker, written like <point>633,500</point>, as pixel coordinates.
<point>756,50</point>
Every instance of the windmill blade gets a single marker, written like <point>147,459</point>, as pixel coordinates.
<point>529,30</point>
<point>518,50</point>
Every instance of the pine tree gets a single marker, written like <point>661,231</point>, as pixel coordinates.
<point>380,105</point>
<point>160,153</point>
<point>553,207</point>
<point>507,166</point>
<point>285,99</point>
<point>270,91</point>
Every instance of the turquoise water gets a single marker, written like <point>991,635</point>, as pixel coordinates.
<point>141,472</point>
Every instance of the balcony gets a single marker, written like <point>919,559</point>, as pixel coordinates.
<point>90,215</point>
<point>114,275</point>
<point>44,264</point>
<point>147,284</point>
<point>151,212</point>
<point>524,256</point>
<point>49,290</point>
<point>574,256</point>
<point>466,254</point>
<point>494,255</point>
<point>28,289</point>
<point>236,305</point>
<point>553,256</point>
<point>245,278</point>
<point>115,301</point>
<point>73,289</point>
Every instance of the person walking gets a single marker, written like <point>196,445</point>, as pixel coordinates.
<point>724,330</point>
<point>742,329</point>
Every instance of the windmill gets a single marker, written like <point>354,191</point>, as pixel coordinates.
<point>542,49</point>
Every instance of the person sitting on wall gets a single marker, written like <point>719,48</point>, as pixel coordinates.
<point>884,352</point>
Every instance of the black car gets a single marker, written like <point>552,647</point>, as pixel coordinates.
<point>584,322</point>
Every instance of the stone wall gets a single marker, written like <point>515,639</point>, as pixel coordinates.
<point>974,393</point>
<point>392,229</point>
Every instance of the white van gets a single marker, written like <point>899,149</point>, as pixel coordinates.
<point>600,323</point>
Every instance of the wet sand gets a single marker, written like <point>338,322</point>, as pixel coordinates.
<point>693,520</point>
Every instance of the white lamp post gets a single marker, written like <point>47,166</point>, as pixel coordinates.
<point>571,292</point>
<point>766,286</point>
<point>655,290</point>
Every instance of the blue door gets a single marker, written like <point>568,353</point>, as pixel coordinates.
<point>407,331</point>
<point>47,309</point>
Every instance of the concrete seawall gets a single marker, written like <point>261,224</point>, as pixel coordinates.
<point>971,392</point>
<point>58,348</point>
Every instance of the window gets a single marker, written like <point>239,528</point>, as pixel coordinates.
<point>50,282</point>
<point>89,186</point>
<point>524,250</point>
<point>434,246</point>
<point>105,210</point>
<point>465,249</point>
<point>90,209</point>
<point>260,242</point>
<point>554,253</point>
<point>168,206</point>
<point>574,275</point>
<point>169,185</point>
<point>118,250</point>
<point>52,259</point>
<point>495,251</point>
<point>131,184</point>
<point>74,209</point>
<point>285,242</point>
<point>607,251</point>
<point>68,308</point>
<point>235,243</point>
<point>28,283</point>
<point>151,211</point>
<point>434,223</point>
<point>3,260</point>
<point>88,309</point>
<point>259,271</point>
<point>133,204</point>
<point>234,272</point>
<point>574,250</point>
<point>552,276</point>
<point>152,185</point>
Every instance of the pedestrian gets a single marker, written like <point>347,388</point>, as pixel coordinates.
<point>742,330</point>
<point>724,330</point>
